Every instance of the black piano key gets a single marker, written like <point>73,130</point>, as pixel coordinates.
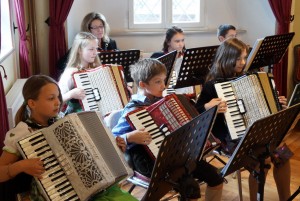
<point>40,148</point>
<point>145,122</point>
<point>61,183</point>
<point>57,177</point>
<point>64,193</point>
<point>142,117</point>
<point>50,160</point>
<point>50,166</point>
<point>149,124</point>
<point>71,197</point>
<point>55,173</point>
<point>150,131</point>
<point>142,113</point>
<point>40,154</point>
<point>154,137</point>
<point>159,142</point>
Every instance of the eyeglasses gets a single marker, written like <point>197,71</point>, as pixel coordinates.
<point>97,27</point>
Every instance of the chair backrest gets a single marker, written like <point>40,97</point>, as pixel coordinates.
<point>112,119</point>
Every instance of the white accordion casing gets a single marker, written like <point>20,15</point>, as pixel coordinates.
<point>255,93</point>
<point>104,88</point>
<point>80,156</point>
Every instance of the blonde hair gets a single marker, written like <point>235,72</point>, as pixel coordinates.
<point>81,40</point>
<point>31,90</point>
<point>89,18</point>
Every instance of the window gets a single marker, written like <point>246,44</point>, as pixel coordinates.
<point>165,13</point>
<point>6,34</point>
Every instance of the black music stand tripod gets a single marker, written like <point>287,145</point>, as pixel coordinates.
<point>177,155</point>
<point>259,142</point>
<point>268,51</point>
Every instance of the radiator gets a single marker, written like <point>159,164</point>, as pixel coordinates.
<point>14,100</point>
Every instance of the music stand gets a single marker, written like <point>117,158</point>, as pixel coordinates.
<point>124,58</point>
<point>295,98</point>
<point>177,153</point>
<point>259,142</point>
<point>268,51</point>
<point>195,65</point>
<point>168,60</point>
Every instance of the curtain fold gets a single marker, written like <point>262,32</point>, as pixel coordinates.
<point>282,11</point>
<point>25,71</point>
<point>59,11</point>
<point>4,125</point>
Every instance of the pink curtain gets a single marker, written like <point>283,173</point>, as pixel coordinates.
<point>25,71</point>
<point>4,126</point>
<point>59,10</point>
<point>282,13</point>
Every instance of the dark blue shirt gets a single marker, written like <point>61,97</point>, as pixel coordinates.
<point>123,127</point>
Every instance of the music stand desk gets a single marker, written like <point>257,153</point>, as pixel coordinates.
<point>168,60</point>
<point>195,66</point>
<point>124,58</point>
<point>259,141</point>
<point>178,152</point>
<point>268,51</point>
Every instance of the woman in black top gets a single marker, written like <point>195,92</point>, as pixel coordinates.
<point>96,24</point>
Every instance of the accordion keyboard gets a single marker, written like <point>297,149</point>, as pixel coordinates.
<point>103,96</point>
<point>234,118</point>
<point>54,181</point>
<point>143,120</point>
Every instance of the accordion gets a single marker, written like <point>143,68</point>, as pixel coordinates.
<point>248,98</point>
<point>79,154</point>
<point>161,118</point>
<point>104,88</point>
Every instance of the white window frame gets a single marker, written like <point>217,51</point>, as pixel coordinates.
<point>166,18</point>
<point>7,46</point>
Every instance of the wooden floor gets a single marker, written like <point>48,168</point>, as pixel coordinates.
<point>230,190</point>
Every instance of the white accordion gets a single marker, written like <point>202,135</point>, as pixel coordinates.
<point>248,98</point>
<point>80,156</point>
<point>104,88</point>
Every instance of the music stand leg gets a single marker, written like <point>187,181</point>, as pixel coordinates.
<point>239,181</point>
<point>294,194</point>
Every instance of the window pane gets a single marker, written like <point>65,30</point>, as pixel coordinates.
<point>147,12</point>
<point>6,37</point>
<point>185,11</point>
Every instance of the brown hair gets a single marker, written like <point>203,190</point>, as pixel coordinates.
<point>31,90</point>
<point>89,18</point>
<point>225,59</point>
<point>169,35</point>
<point>145,69</point>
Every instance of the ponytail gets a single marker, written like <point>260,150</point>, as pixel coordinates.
<point>22,114</point>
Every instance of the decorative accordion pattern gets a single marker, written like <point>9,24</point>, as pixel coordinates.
<point>104,87</point>
<point>248,98</point>
<point>161,118</point>
<point>80,156</point>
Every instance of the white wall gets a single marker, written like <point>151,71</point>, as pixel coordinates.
<point>254,18</point>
